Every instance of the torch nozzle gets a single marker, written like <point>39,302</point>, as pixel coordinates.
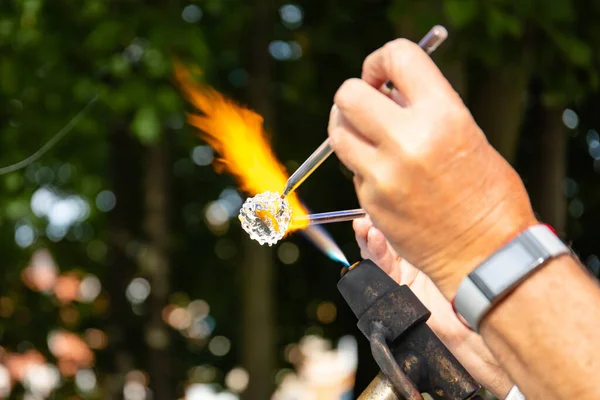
<point>429,43</point>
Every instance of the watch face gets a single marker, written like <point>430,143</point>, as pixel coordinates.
<point>503,269</point>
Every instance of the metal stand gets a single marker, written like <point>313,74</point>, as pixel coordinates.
<point>411,357</point>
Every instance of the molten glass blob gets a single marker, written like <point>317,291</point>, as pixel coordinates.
<point>266,217</point>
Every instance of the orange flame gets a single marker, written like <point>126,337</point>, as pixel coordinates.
<point>237,134</point>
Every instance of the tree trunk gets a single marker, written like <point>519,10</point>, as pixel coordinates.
<point>497,102</point>
<point>258,316</point>
<point>549,168</point>
<point>122,222</point>
<point>258,325</point>
<point>154,263</point>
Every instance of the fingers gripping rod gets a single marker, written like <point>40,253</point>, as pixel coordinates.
<point>429,43</point>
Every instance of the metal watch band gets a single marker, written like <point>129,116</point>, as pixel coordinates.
<point>502,271</point>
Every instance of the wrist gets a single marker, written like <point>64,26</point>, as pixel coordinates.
<point>483,240</point>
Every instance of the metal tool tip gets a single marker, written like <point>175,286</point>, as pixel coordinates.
<point>440,31</point>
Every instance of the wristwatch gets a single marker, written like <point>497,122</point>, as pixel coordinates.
<point>504,270</point>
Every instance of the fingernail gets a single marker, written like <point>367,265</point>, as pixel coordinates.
<point>335,116</point>
<point>334,111</point>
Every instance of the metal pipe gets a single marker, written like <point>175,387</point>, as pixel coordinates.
<point>333,216</point>
<point>380,388</point>
<point>429,43</point>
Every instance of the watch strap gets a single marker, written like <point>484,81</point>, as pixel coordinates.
<point>505,269</point>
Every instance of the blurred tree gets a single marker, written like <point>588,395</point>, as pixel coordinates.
<point>258,272</point>
<point>139,186</point>
<point>57,55</point>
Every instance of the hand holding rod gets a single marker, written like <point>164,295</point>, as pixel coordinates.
<point>429,43</point>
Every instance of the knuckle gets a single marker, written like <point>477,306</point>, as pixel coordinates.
<point>369,61</point>
<point>385,184</point>
<point>348,94</point>
<point>401,52</point>
<point>416,157</point>
<point>402,45</point>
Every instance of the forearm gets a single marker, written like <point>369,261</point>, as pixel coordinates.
<point>545,333</point>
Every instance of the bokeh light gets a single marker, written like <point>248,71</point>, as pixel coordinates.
<point>106,201</point>
<point>288,253</point>
<point>217,217</point>
<point>192,13</point>
<point>66,288</point>
<point>89,288</point>
<point>280,50</point>
<point>198,308</point>
<point>7,306</point>
<point>85,379</point>
<point>326,312</point>
<point>237,380</point>
<point>202,155</point>
<point>24,235</point>
<point>570,187</point>
<point>219,345</point>
<point>41,379</point>
<point>570,119</point>
<point>42,273</point>
<point>133,390</point>
<point>202,373</point>
<point>96,339</point>
<point>179,318</point>
<point>138,290</point>
<point>291,15</point>
<point>576,208</point>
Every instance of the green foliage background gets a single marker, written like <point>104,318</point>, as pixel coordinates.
<point>55,56</point>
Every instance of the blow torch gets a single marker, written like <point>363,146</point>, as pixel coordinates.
<point>411,357</point>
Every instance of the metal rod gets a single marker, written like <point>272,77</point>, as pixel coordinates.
<point>308,167</point>
<point>333,216</point>
<point>429,43</point>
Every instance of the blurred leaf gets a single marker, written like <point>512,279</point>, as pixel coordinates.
<point>578,52</point>
<point>554,99</point>
<point>460,12</point>
<point>156,63</point>
<point>146,125</point>
<point>13,182</point>
<point>168,99</point>
<point>556,11</point>
<point>105,36</point>
<point>119,65</point>
<point>17,209</point>
<point>93,9</point>
<point>8,78</point>
<point>500,23</point>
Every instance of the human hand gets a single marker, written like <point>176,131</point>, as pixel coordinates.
<point>466,345</point>
<point>424,171</point>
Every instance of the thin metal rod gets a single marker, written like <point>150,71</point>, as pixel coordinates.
<point>308,167</point>
<point>429,43</point>
<point>333,216</point>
